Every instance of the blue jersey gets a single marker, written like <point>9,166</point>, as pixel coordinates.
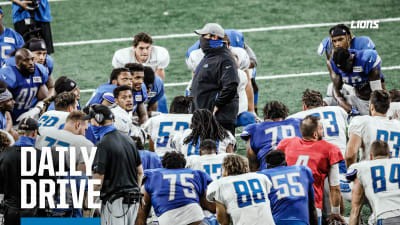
<point>266,136</point>
<point>139,97</point>
<point>48,63</point>
<point>3,121</point>
<point>24,89</point>
<point>97,97</point>
<point>357,43</point>
<point>10,40</point>
<point>150,160</point>
<point>173,188</point>
<point>236,38</point>
<point>365,61</point>
<point>291,192</point>
<point>43,13</point>
<point>157,92</point>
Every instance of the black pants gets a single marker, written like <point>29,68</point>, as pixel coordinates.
<point>13,216</point>
<point>229,126</point>
<point>45,33</point>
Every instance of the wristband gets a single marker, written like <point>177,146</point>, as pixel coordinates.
<point>335,210</point>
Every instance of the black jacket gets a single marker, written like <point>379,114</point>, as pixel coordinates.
<point>215,84</point>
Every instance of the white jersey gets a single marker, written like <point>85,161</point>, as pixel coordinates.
<point>371,128</point>
<point>334,121</point>
<point>245,197</point>
<point>159,58</point>
<point>62,138</point>
<point>52,118</point>
<point>122,120</point>
<point>210,163</point>
<point>243,101</point>
<point>380,180</point>
<point>394,111</point>
<point>164,127</point>
<point>188,149</point>
<point>197,55</point>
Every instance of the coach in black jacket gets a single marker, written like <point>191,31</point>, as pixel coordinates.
<point>216,78</point>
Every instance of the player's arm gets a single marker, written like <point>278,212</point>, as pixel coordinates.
<point>140,173</point>
<point>43,93</point>
<point>142,113</point>
<point>254,164</point>
<point>97,187</point>
<point>205,204</point>
<point>50,86</point>
<point>335,196</point>
<point>152,108</point>
<point>249,93</point>
<point>144,209</point>
<point>337,86</point>
<point>222,214</point>
<point>353,146</point>
<point>374,78</point>
<point>9,126</point>
<point>151,145</point>
<point>160,73</point>
<point>23,4</point>
<point>357,199</point>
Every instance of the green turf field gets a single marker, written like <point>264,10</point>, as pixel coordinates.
<point>279,51</point>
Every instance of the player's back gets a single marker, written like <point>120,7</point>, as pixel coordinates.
<point>52,118</point>
<point>334,121</point>
<point>372,128</point>
<point>319,156</point>
<point>380,179</point>
<point>150,160</point>
<point>245,198</point>
<point>189,149</point>
<point>266,136</point>
<point>290,193</point>
<point>163,127</point>
<point>54,137</point>
<point>171,189</point>
<point>210,163</point>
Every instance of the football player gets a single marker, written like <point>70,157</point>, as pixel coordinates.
<point>264,137</point>
<point>240,197</point>
<point>144,52</point>
<point>208,160</point>
<point>203,126</point>
<point>164,127</point>
<point>155,91</point>
<point>394,109</point>
<point>292,192</point>
<point>150,160</point>
<point>64,104</point>
<point>378,181</point>
<point>27,83</point>
<point>123,105</point>
<point>364,130</point>
<point>9,40</point>
<point>360,69</point>
<point>6,106</point>
<point>63,84</point>
<point>39,50</point>
<point>321,157</point>
<point>118,77</point>
<point>177,194</point>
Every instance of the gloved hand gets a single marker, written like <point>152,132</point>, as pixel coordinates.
<point>32,113</point>
<point>354,112</point>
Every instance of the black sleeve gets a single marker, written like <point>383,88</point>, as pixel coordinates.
<point>100,159</point>
<point>229,81</point>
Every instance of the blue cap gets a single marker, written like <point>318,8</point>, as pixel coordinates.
<point>109,97</point>
<point>1,11</point>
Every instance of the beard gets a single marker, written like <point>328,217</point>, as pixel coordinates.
<point>25,71</point>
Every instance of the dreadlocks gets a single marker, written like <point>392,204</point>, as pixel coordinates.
<point>204,126</point>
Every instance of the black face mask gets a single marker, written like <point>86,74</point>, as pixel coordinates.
<point>204,43</point>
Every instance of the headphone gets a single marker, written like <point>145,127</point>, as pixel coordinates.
<point>98,116</point>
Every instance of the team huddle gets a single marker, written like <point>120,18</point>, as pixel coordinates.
<point>299,169</point>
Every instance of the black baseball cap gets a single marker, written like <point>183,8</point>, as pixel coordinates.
<point>28,124</point>
<point>98,109</point>
<point>65,84</point>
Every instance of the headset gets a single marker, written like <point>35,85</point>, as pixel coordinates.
<point>98,116</point>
